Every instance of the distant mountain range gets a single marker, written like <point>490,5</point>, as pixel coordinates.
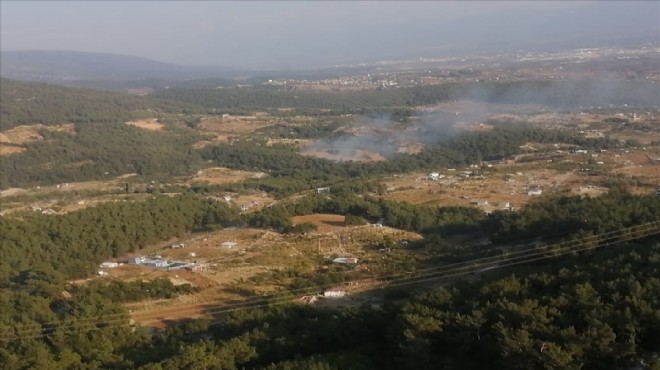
<point>600,24</point>
<point>71,66</point>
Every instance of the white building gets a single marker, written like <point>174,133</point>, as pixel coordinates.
<point>345,260</point>
<point>434,176</point>
<point>334,293</point>
<point>136,260</point>
<point>534,192</point>
<point>228,245</point>
<point>109,265</point>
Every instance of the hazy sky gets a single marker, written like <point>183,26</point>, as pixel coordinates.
<point>269,34</point>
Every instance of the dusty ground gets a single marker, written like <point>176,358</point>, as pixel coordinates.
<point>324,222</point>
<point>221,175</point>
<point>498,187</point>
<point>150,124</point>
<point>25,134</point>
<point>10,149</point>
<point>256,251</point>
<point>510,182</point>
<point>236,125</point>
<point>62,196</point>
<point>356,155</point>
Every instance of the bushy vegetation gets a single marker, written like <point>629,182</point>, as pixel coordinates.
<point>131,291</point>
<point>291,172</point>
<point>72,245</point>
<point>565,94</point>
<point>596,311</point>
<point>101,151</point>
<point>29,103</point>
<point>590,310</point>
<point>566,216</point>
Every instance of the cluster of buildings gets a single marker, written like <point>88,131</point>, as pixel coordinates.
<point>159,262</point>
<point>156,261</point>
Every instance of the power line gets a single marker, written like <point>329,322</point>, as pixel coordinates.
<point>473,269</point>
<point>457,265</point>
<point>268,300</point>
<point>401,279</point>
<point>430,272</point>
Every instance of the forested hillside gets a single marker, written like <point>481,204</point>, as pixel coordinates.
<point>25,103</point>
<point>101,150</point>
<point>565,94</point>
<point>30,103</point>
<point>72,245</point>
<point>594,309</point>
<point>590,302</point>
<point>292,172</point>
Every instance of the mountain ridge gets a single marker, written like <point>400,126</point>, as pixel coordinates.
<point>67,65</point>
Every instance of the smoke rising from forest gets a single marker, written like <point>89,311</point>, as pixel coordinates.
<point>474,105</point>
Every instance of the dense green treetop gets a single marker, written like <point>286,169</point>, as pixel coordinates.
<point>28,103</point>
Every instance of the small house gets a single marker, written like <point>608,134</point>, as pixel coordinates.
<point>136,260</point>
<point>109,265</point>
<point>161,263</point>
<point>345,260</point>
<point>228,245</point>
<point>334,293</point>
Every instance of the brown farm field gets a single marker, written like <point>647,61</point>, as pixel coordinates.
<point>221,175</point>
<point>324,222</point>
<point>235,125</point>
<point>229,268</point>
<point>11,141</point>
<point>150,124</point>
<point>10,149</point>
<point>27,133</point>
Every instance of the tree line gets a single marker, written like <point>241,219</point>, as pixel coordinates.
<point>72,245</point>
<point>558,94</point>
<point>591,310</point>
<point>29,103</point>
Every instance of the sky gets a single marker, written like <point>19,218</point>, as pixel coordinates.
<point>294,34</point>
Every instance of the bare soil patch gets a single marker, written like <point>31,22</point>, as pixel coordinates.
<point>503,186</point>
<point>11,192</point>
<point>356,155</point>
<point>324,222</point>
<point>150,124</point>
<point>222,175</point>
<point>235,125</point>
<point>27,133</point>
<point>648,171</point>
<point>10,149</point>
